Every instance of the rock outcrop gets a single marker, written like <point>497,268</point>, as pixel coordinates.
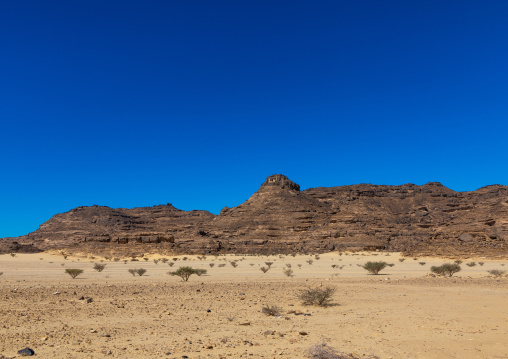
<point>279,217</point>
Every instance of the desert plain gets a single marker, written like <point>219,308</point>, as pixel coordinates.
<point>403,312</point>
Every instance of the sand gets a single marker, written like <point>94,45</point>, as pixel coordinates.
<point>401,313</point>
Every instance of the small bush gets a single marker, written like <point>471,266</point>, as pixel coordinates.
<point>310,261</point>
<point>164,260</point>
<point>233,264</point>
<point>264,269</point>
<point>496,272</point>
<point>1,273</point>
<point>272,310</point>
<point>200,272</point>
<point>171,264</point>
<point>211,265</point>
<point>374,267</point>
<point>402,259</point>
<point>421,263</point>
<point>471,264</point>
<point>447,269</point>
<point>481,263</point>
<point>132,271</point>
<point>269,264</point>
<point>288,272</point>
<point>316,296</point>
<point>99,267</point>
<point>222,265</point>
<point>145,259</point>
<point>73,272</point>
<point>140,271</point>
<point>323,351</point>
<point>185,273</point>
<point>458,261</point>
<point>13,254</point>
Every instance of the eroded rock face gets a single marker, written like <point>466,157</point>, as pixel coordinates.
<point>279,217</point>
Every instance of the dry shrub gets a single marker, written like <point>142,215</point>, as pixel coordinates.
<point>272,310</point>
<point>73,272</point>
<point>316,296</point>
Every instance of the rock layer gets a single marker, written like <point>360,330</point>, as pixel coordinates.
<point>279,217</point>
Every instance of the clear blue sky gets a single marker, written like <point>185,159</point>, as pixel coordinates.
<point>137,103</point>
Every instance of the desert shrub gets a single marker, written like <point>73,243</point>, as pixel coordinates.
<point>299,265</point>
<point>171,264</point>
<point>288,272</point>
<point>145,259</point>
<point>458,261</point>
<point>471,264</point>
<point>334,266</point>
<point>13,254</point>
<point>185,258</point>
<point>316,296</point>
<point>125,261</point>
<point>1,273</point>
<point>310,261</point>
<point>481,263</point>
<point>211,265</point>
<point>73,272</point>
<point>374,267</point>
<point>421,263</point>
<point>447,269</point>
<point>175,259</point>
<point>184,273</point>
<point>402,259</point>
<point>269,264</point>
<point>264,269</point>
<point>317,257</point>
<point>116,259</point>
<point>272,310</point>
<point>233,264</point>
<point>164,260</point>
<point>200,272</point>
<point>222,265</point>
<point>132,271</point>
<point>497,272</point>
<point>323,351</point>
<point>156,261</point>
<point>288,265</point>
<point>99,267</point>
<point>140,271</point>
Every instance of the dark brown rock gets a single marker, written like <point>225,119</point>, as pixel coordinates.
<point>279,217</point>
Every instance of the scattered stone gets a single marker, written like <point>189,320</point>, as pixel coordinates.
<point>303,332</point>
<point>26,352</point>
<point>244,323</point>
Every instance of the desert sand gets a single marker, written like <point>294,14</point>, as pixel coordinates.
<point>401,313</point>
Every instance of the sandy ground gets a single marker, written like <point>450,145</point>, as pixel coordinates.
<point>401,313</point>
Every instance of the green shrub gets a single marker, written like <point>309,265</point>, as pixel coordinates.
<point>140,271</point>
<point>73,272</point>
<point>374,267</point>
<point>447,269</point>
<point>288,272</point>
<point>316,296</point>
<point>99,267</point>
<point>186,272</point>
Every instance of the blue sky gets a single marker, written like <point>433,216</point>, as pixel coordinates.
<point>194,103</point>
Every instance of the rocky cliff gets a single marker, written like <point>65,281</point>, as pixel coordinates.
<point>279,217</point>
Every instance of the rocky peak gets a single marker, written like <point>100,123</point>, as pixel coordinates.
<point>279,182</point>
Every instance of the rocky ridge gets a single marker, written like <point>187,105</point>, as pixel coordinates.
<point>279,217</point>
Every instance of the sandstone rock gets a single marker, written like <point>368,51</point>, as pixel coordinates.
<point>280,217</point>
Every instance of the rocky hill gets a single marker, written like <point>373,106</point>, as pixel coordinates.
<point>279,217</point>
